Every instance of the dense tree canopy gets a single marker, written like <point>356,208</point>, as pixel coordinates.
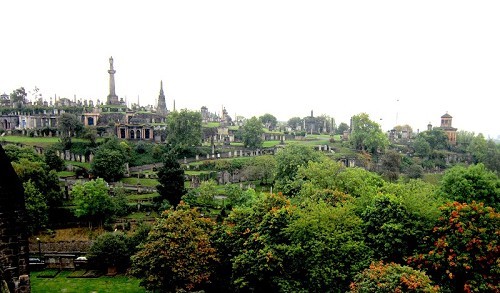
<point>184,129</point>
<point>252,133</point>
<point>109,160</point>
<point>366,135</point>
<point>92,200</point>
<point>269,121</point>
<point>295,122</point>
<point>178,253</point>
<point>110,250</point>
<point>288,162</point>
<point>171,179</point>
<point>473,183</point>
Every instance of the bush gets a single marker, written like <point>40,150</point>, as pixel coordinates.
<point>391,277</point>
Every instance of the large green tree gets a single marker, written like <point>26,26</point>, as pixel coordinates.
<point>110,250</point>
<point>36,207</point>
<point>366,135</point>
<point>109,160</point>
<point>18,97</point>
<point>184,129</point>
<point>295,123</point>
<point>178,253</point>
<point>288,162</point>
<point>92,200</point>
<point>325,250</point>
<point>473,183</point>
<point>269,121</point>
<point>171,181</point>
<point>252,133</point>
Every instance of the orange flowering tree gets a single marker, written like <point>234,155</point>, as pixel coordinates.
<point>380,277</point>
<point>178,253</point>
<point>464,248</point>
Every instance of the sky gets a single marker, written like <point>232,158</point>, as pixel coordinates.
<point>402,62</point>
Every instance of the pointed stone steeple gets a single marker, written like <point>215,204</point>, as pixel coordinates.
<point>162,106</point>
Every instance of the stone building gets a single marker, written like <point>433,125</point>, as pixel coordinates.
<point>14,248</point>
<point>446,120</point>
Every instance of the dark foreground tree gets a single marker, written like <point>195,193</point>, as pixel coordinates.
<point>178,253</point>
<point>171,179</point>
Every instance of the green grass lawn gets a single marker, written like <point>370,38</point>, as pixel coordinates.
<point>136,197</point>
<point>64,174</point>
<point>79,164</point>
<point>61,283</point>
<point>37,141</point>
<point>142,181</point>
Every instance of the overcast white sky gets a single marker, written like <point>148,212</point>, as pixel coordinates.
<point>338,58</point>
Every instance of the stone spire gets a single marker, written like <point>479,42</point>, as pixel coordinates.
<point>162,106</point>
<point>112,97</point>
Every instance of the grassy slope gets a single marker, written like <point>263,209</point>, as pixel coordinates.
<point>61,283</point>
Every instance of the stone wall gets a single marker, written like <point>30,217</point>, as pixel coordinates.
<point>14,249</point>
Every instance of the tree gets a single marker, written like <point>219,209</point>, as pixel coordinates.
<point>268,120</point>
<point>463,249</point>
<point>249,239</point>
<point>36,207</point>
<point>295,123</point>
<point>390,278</point>
<point>391,230</point>
<point>288,162</point>
<point>18,97</point>
<point>90,133</point>
<point>252,133</point>
<point>110,250</point>
<point>44,180</point>
<point>109,160</point>
<point>325,249</point>
<point>437,138</point>
<point>171,179</point>
<point>52,160</point>
<point>342,127</point>
<point>184,129</point>
<point>69,126</point>
<point>391,165</point>
<point>473,183</point>
<point>92,201</point>
<point>261,167</point>
<point>367,135</point>
<point>178,253</point>
<point>207,192</point>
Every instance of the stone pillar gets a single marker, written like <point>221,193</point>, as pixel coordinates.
<point>241,153</point>
<point>197,157</point>
<point>230,154</point>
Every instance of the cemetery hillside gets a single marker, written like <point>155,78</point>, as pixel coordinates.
<point>136,198</point>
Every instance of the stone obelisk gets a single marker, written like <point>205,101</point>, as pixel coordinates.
<point>112,97</point>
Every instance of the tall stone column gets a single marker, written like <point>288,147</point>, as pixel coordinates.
<point>112,97</point>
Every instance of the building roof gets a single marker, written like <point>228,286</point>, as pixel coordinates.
<point>446,116</point>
